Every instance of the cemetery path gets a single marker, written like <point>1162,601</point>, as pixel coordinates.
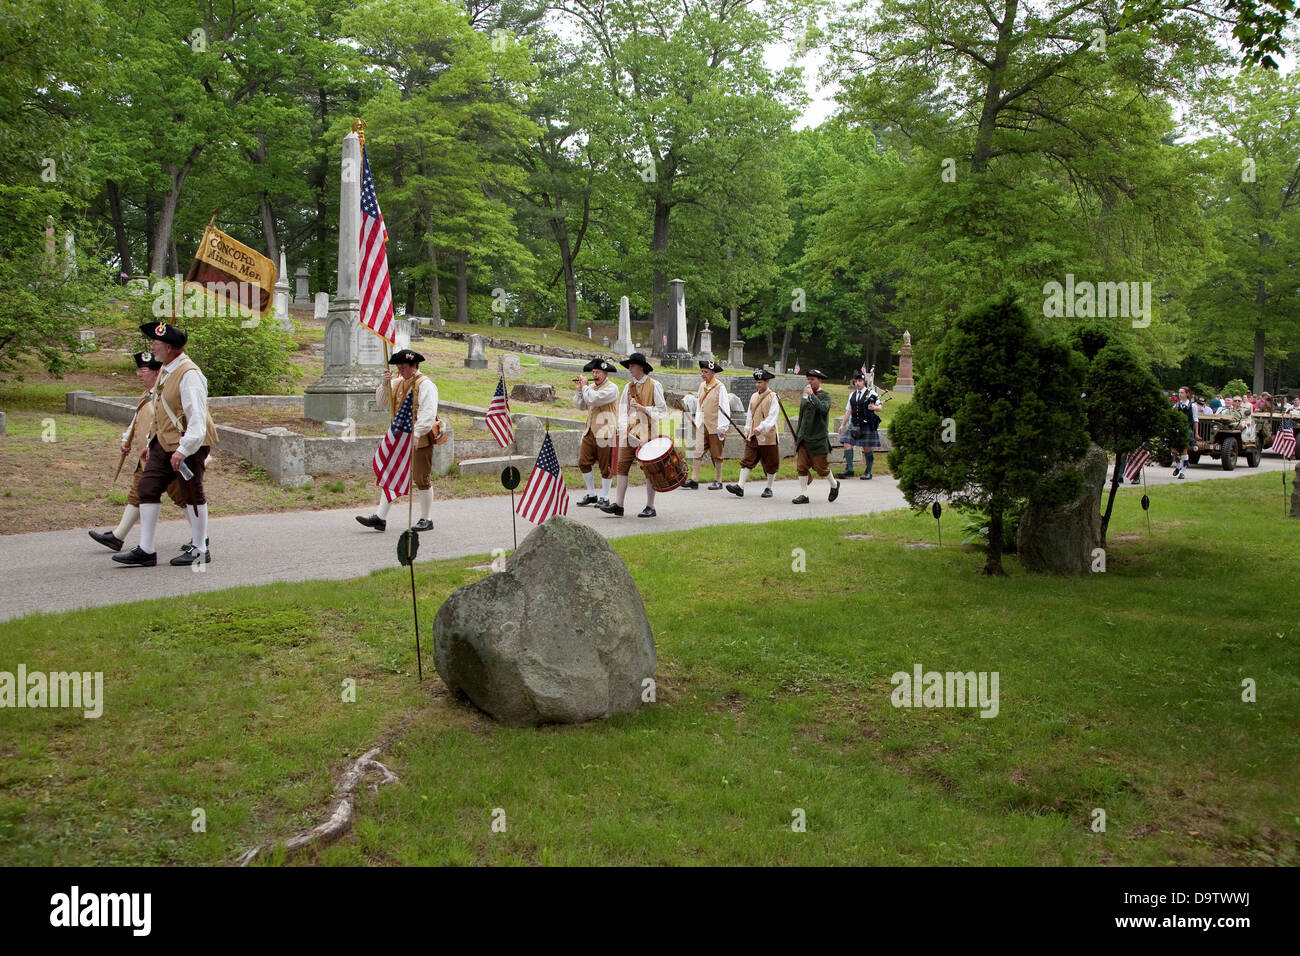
<point>65,570</point>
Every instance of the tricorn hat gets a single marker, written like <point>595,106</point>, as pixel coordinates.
<point>598,363</point>
<point>711,366</point>
<point>762,375</point>
<point>636,358</point>
<point>145,359</point>
<point>165,333</point>
<point>406,357</point>
<point>816,373</point>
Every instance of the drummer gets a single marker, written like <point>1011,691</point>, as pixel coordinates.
<point>640,408</point>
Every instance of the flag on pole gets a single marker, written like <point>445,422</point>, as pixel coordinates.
<point>1284,440</point>
<point>545,494</point>
<point>1136,459</point>
<point>863,370</point>
<point>392,462</point>
<point>376,292</point>
<point>796,367</point>
<point>498,416</point>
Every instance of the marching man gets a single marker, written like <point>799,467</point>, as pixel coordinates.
<point>710,423</point>
<point>760,435</point>
<point>599,400</point>
<point>391,393</point>
<point>812,443</point>
<point>181,435</point>
<point>639,409</point>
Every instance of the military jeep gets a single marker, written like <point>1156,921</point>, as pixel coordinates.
<point>1224,437</point>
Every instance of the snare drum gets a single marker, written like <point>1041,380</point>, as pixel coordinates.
<point>663,464</point>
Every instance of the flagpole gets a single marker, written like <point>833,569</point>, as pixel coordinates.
<point>1146,511</point>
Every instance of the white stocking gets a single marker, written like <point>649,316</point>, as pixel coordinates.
<point>129,517</point>
<point>148,525</point>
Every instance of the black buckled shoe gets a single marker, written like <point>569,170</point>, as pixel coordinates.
<point>736,490</point>
<point>613,509</point>
<point>835,493</point>
<point>801,500</point>
<point>372,521</point>
<point>602,502</point>
<point>424,524</point>
<point>190,556</point>
<point>866,477</point>
<point>846,473</point>
<point>136,558</point>
<point>767,493</point>
<point>647,512</point>
<point>587,500</point>
<point>107,539</point>
<point>715,486</point>
<point>692,484</point>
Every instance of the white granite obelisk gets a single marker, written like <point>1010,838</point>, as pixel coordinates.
<point>346,389</point>
<point>623,346</point>
<point>282,296</point>
<point>678,350</point>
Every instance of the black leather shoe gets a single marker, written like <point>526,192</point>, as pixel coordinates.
<point>424,524</point>
<point>801,500</point>
<point>835,493</point>
<point>107,539</point>
<point>372,521</point>
<point>866,477</point>
<point>587,500</point>
<point>602,502</point>
<point>613,509</point>
<point>648,512</point>
<point>692,484</point>
<point>846,473</point>
<point>715,486</point>
<point>137,558</point>
<point>736,490</point>
<point>191,557</point>
<point>767,493</point>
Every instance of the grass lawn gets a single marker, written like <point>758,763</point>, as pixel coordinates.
<point>1120,691</point>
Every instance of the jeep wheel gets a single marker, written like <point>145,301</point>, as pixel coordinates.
<point>1228,453</point>
<point>1252,457</point>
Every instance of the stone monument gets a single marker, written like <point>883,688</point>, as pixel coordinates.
<point>706,343</point>
<point>282,297</point>
<point>354,360</point>
<point>476,357</point>
<point>300,294</point>
<point>322,305</point>
<point>677,349</point>
<point>905,384</point>
<point>736,350</point>
<point>623,344</point>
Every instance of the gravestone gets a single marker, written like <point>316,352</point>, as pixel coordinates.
<point>401,334</point>
<point>301,296</point>
<point>138,287</point>
<point>475,357</point>
<point>353,358</point>
<point>706,343</point>
<point>589,332</point>
<point>736,350</point>
<point>604,341</point>
<point>677,346</point>
<point>529,432</point>
<point>510,364</point>
<point>87,337</point>
<point>322,305</point>
<point>905,384</point>
<point>623,344</point>
<point>282,297</point>
<point>501,643</point>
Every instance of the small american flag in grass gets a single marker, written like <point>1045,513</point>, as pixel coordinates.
<point>498,416</point>
<point>1136,459</point>
<point>545,494</point>
<point>1284,440</point>
<point>392,462</point>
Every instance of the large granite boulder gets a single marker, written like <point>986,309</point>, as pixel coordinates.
<point>559,636</point>
<point>1061,540</point>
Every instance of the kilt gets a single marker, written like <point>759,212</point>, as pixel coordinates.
<point>870,439</point>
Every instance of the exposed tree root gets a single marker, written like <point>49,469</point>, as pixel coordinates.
<point>341,812</point>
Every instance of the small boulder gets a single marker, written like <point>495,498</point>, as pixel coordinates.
<point>559,636</point>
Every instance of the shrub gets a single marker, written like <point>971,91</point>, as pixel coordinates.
<point>239,360</point>
<point>1235,387</point>
<point>975,526</point>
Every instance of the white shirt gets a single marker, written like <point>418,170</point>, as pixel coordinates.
<point>426,398</point>
<point>723,403</point>
<point>768,423</point>
<point>589,396</point>
<point>653,412</point>
<point>194,403</point>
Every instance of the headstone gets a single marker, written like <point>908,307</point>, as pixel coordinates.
<point>500,643</point>
<point>677,347</point>
<point>401,334</point>
<point>300,294</point>
<point>623,344</point>
<point>476,358</point>
<point>444,455</point>
<point>905,384</point>
<point>736,350</point>
<point>88,335</point>
<point>604,341</point>
<point>706,343</point>
<point>589,331</point>
<point>138,286</point>
<point>529,432</point>
<point>353,357</point>
<point>510,363</point>
<point>282,296</point>
<point>322,305</point>
<point>1062,540</point>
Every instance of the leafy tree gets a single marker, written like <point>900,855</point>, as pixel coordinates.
<point>1009,401</point>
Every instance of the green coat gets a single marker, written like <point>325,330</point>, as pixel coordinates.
<point>814,423</point>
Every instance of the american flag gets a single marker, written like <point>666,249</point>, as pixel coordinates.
<point>545,494</point>
<point>376,293</point>
<point>796,368</point>
<point>498,416</point>
<point>1136,459</point>
<point>392,462</point>
<point>1284,440</point>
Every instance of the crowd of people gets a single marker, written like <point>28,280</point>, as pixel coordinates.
<point>1241,405</point>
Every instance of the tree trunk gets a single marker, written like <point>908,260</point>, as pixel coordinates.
<point>462,287</point>
<point>435,295</point>
<point>785,348</point>
<point>410,299</point>
<point>176,259</point>
<point>993,560</point>
<point>659,276</point>
<point>993,92</point>
<point>268,231</point>
<point>150,218</point>
<point>1258,385</point>
<point>1116,480</point>
<point>119,230</point>
<point>171,199</point>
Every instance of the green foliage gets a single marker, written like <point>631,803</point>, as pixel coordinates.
<point>975,525</point>
<point>1009,435</point>
<point>239,360</point>
<point>1205,390</point>
<point>1235,388</point>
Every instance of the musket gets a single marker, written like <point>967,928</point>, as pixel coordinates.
<point>793,433</point>
<point>739,431</point>
<point>130,437</point>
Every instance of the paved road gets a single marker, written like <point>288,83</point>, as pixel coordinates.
<point>65,570</point>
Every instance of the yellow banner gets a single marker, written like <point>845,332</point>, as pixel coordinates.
<point>237,279</point>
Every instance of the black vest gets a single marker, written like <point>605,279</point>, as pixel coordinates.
<point>859,414</point>
<point>1187,411</point>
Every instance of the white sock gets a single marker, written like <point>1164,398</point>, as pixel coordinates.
<point>200,540</point>
<point>382,510</point>
<point>771,478</point>
<point>830,476</point>
<point>622,489</point>
<point>744,476</point>
<point>1185,461</point>
<point>604,488</point>
<point>590,481</point>
<point>130,515</point>
<point>719,470</point>
<point>148,525</point>
<point>649,495</point>
<point>803,483</point>
<point>193,519</point>
<point>426,502</point>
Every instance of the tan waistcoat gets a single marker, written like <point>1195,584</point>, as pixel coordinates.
<point>168,432</point>
<point>638,424</point>
<point>142,423</point>
<point>602,421</point>
<point>759,406</point>
<point>708,396</point>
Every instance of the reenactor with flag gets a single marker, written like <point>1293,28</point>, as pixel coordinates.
<point>391,393</point>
